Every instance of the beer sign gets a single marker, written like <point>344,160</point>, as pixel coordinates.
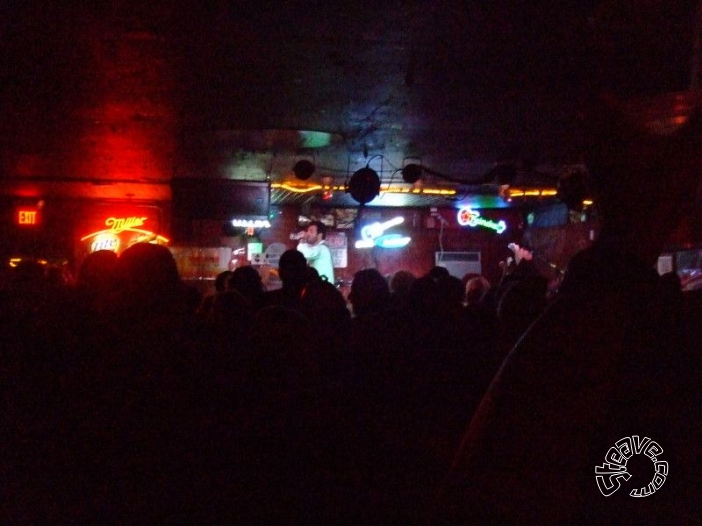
<point>121,231</point>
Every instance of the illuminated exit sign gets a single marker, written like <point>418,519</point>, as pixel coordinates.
<point>27,216</point>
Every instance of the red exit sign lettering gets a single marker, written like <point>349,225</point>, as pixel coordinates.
<point>27,217</point>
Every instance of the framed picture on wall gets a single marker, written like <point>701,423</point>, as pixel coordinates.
<point>327,219</point>
<point>338,245</point>
<point>345,218</point>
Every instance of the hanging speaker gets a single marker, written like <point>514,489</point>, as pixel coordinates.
<point>411,173</point>
<point>303,169</point>
<point>364,185</point>
<point>572,190</point>
<point>502,174</point>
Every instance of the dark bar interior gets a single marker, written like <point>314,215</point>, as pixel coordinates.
<point>351,262</point>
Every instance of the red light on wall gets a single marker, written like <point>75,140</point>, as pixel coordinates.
<point>27,216</point>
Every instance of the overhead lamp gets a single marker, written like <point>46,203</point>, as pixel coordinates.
<point>303,169</point>
<point>364,185</point>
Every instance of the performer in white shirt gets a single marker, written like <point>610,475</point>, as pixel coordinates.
<point>315,250</point>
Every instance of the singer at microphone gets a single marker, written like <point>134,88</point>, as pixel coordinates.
<point>313,247</point>
<point>525,266</point>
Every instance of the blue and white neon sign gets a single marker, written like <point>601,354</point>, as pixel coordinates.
<point>373,235</point>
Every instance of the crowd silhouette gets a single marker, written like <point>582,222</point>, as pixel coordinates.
<point>132,396</point>
<point>128,399</point>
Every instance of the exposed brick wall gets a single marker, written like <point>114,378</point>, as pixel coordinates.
<point>90,98</point>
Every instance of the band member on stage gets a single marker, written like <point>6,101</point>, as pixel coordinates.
<point>313,247</point>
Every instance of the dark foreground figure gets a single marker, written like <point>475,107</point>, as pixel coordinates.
<point>613,357</point>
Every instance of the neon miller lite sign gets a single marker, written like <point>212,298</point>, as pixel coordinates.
<point>120,224</point>
<point>107,239</point>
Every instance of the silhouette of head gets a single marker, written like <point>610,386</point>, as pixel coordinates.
<point>98,272</point>
<point>292,268</point>
<point>247,281</point>
<point>370,292</point>
<point>401,281</point>
<point>222,281</point>
<point>476,288</point>
<point>147,275</point>
<point>438,272</point>
<point>324,304</point>
<point>450,292</point>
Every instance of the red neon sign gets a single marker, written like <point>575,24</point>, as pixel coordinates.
<point>117,234</point>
